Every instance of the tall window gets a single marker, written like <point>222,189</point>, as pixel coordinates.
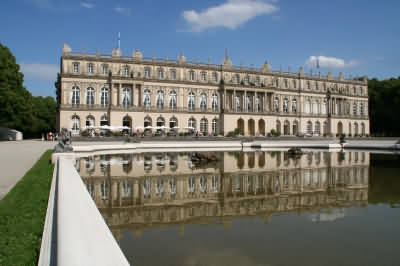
<point>90,96</point>
<point>160,99</point>
<point>173,74</point>
<point>104,97</point>
<point>90,68</point>
<point>192,123</point>
<point>315,107</point>
<point>309,127</point>
<point>160,73</point>
<point>249,103</point>
<point>286,83</point>
<point>126,97</point>
<point>354,109</point>
<point>126,71</point>
<point>215,76</point>
<point>258,103</point>
<point>75,124</point>
<point>285,105</point>
<point>75,96</point>
<point>277,83</point>
<point>214,126</point>
<point>214,102</point>
<point>191,100</point>
<point>173,122</point>
<point>308,85</point>
<point>317,86</point>
<point>294,84</point>
<point>191,75</point>
<point>362,109</point>
<point>105,69</point>
<point>237,103</point>
<point>204,126</point>
<point>172,100</point>
<point>294,106</point>
<point>276,104</point>
<point>323,109</point>
<point>308,107</point>
<point>236,78</point>
<point>317,130</point>
<point>203,101</point>
<point>191,184</point>
<point>203,76</point>
<point>246,80</point>
<point>147,72</point>
<point>147,98</point>
<point>76,68</point>
<point>90,121</point>
<point>257,82</point>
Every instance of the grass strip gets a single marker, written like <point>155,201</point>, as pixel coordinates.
<point>22,215</point>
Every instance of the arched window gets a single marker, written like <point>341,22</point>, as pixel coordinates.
<point>147,98</point>
<point>75,96</point>
<point>203,101</point>
<point>276,104</point>
<point>278,126</point>
<point>203,76</point>
<point>192,75</point>
<point>317,130</point>
<point>76,125</point>
<point>355,128</point>
<point>294,106</point>
<point>160,122</point>
<point>354,109</point>
<point>90,68</point>
<point>340,128</point>
<point>104,120</point>
<point>104,97</point>
<point>363,129</point>
<point>325,128</point>
<point>214,126</point>
<point>238,105</point>
<point>173,122</point>
<point>147,72</point>
<point>126,71</point>
<point>309,127</point>
<point>191,100</point>
<point>192,123</point>
<point>90,96</point>
<point>147,122</point>
<point>203,184</point>
<point>308,107</point>
<point>316,107</point>
<point>172,100</point>
<point>295,128</point>
<point>204,126</point>
<point>172,74</point>
<point>286,128</point>
<point>349,128</point>
<point>126,97</point>
<point>214,102</point>
<point>160,99</point>
<point>160,73</point>
<point>90,121</point>
<point>285,105</point>
<point>127,121</point>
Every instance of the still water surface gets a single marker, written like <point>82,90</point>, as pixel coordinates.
<point>250,208</point>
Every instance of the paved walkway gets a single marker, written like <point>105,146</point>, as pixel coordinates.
<point>16,158</point>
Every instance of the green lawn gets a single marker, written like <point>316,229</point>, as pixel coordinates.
<point>22,215</point>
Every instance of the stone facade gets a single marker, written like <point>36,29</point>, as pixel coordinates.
<point>134,91</point>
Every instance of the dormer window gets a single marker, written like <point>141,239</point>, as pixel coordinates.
<point>286,83</point>
<point>160,73</point>
<point>203,76</point>
<point>126,71</point>
<point>173,74</point>
<point>215,76</point>
<point>246,80</point>
<point>236,79</point>
<point>105,69</point>
<point>90,68</point>
<point>294,84</point>
<point>76,68</point>
<point>191,75</point>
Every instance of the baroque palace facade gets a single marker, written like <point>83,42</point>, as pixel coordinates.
<point>133,91</point>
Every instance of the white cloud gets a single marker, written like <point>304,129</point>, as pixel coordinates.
<point>122,10</point>
<point>40,71</point>
<point>87,5</point>
<point>330,62</point>
<point>230,14</point>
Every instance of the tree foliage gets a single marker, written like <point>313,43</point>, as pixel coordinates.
<point>18,108</point>
<point>384,106</point>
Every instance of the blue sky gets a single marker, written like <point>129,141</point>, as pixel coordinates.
<point>355,37</point>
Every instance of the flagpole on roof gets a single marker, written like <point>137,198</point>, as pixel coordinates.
<point>119,40</point>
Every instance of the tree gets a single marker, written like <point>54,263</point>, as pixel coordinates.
<point>18,108</point>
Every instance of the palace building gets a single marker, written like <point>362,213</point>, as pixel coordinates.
<point>134,91</point>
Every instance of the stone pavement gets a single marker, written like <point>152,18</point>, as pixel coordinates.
<point>16,158</point>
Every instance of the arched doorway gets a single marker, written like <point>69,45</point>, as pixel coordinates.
<point>240,126</point>
<point>278,126</point>
<point>127,122</point>
<point>147,124</point>
<point>309,128</point>
<point>286,128</point>
<point>261,127</point>
<point>251,127</point>
<point>340,128</point>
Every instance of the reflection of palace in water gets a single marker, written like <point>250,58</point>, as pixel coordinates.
<point>145,190</point>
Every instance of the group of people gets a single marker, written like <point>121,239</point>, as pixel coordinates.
<point>49,136</point>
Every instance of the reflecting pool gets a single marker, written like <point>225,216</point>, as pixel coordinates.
<point>250,208</point>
